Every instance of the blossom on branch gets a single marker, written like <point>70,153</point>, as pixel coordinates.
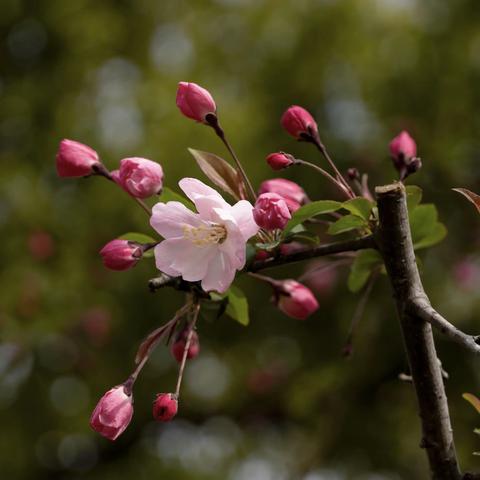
<point>74,159</point>
<point>293,194</point>
<point>208,246</point>
<point>194,101</point>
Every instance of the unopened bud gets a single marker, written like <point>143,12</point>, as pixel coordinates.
<point>280,160</point>
<point>299,123</point>
<point>271,211</point>
<point>139,177</point>
<point>113,413</point>
<point>178,346</point>
<point>353,174</point>
<point>165,407</point>
<point>295,299</point>
<point>121,254</point>
<point>403,150</point>
<point>74,159</point>
<point>195,102</point>
<point>293,194</point>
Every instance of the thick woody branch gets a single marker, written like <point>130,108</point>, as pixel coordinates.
<point>395,243</point>
<point>320,251</point>
<point>421,307</point>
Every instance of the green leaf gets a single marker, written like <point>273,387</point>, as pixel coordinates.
<point>311,210</point>
<point>346,223</point>
<point>137,237</point>
<point>363,265</point>
<point>220,172</point>
<point>414,196</point>
<point>426,230</point>
<point>237,305</point>
<point>472,400</point>
<point>267,246</point>
<point>168,195</point>
<point>361,207</point>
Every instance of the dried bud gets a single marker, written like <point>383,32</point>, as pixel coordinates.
<point>74,159</point>
<point>299,123</point>
<point>165,407</point>
<point>178,346</point>
<point>139,177</point>
<point>403,150</point>
<point>121,254</point>
<point>280,160</point>
<point>292,193</point>
<point>295,299</point>
<point>195,102</point>
<point>271,211</point>
<point>113,413</point>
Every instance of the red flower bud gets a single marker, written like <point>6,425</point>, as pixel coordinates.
<point>74,159</point>
<point>178,346</point>
<point>165,407</point>
<point>299,123</point>
<point>295,299</point>
<point>113,413</point>
<point>280,160</point>
<point>292,193</point>
<point>121,254</point>
<point>139,177</point>
<point>271,211</point>
<point>403,150</point>
<point>194,101</point>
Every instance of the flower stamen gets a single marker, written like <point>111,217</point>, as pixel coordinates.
<point>205,234</point>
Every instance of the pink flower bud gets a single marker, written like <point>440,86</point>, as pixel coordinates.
<point>292,193</point>
<point>271,211</point>
<point>165,407</point>
<point>299,123</point>
<point>121,254</point>
<point>178,346</point>
<point>403,145</point>
<point>295,299</point>
<point>139,177</point>
<point>112,413</point>
<point>194,101</point>
<point>280,160</point>
<point>74,159</point>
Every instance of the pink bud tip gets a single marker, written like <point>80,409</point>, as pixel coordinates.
<point>121,254</point>
<point>403,145</point>
<point>139,177</point>
<point>194,101</point>
<point>271,211</point>
<point>292,193</point>
<point>178,346</point>
<point>113,413</point>
<point>74,159</point>
<point>280,160</point>
<point>296,300</point>
<point>165,407</point>
<point>299,123</point>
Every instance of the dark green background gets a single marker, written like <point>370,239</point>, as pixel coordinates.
<point>274,401</point>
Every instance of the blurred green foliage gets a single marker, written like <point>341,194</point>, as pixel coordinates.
<point>274,400</point>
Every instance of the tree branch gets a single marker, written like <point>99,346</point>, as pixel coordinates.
<point>320,251</point>
<point>395,243</point>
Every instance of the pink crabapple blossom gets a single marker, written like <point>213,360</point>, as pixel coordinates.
<point>121,254</point>
<point>74,159</point>
<point>292,193</point>
<point>295,300</point>
<point>299,123</point>
<point>178,346</point>
<point>165,407</point>
<point>208,246</point>
<point>280,160</point>
<point>113,413</point>
<point>194,101</point>
<point>403,145</point>
<point>139,177</point>
<point>271,211</point>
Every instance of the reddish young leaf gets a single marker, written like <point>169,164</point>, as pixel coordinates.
<point>473,400</point>
<point>469,195</point>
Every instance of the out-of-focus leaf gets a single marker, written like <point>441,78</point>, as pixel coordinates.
<point>169,195</point>
<point>414,196</point>
<point>469,195</point>
<point>237,307</point>
<point>137,237</point>
<point>221,173</point>
<point>150,341</point>
<point>311,210</point>
<point>347,223</point>
<point>363,265</point>
<point>426,230</point>
<point>361,207</point>
<point>472,400</point>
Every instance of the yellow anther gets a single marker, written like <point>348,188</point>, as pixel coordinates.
<point>205,234</point>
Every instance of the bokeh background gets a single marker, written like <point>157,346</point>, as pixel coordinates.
<point>276,400</point>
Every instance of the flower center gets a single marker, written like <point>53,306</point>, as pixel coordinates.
<point>205,234</point>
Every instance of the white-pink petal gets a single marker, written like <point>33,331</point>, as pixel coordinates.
<point>242,212</point>
<point>220,274</point>
<point>169,219</point>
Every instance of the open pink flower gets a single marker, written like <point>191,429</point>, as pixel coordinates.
<point>208,246</point>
